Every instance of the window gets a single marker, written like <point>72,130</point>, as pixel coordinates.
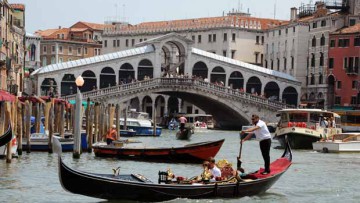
<point>279,32</point>
<point>353,100</point>
<point>321,59</point>
<point>338,84</point>
<point>356,64</point>
<point>79,51</point>
<point>233,54</point>
<point>127,42</point>
<point>320,79</point>
<point>314,24</point>
<point>114,43</point>
<point>256,57</point>
<point>210,38</point>
<point>53,49</point>
<point>272,65</point>
<point>354,84</point>
<point>357,41</point>
<point>278,64</point>
<point>286,31</point>
<point>285,61</point>
<point>262,39</point>
<point>140,40</point>
<point>343,43</point>
<point>52,59</point>
<point>313,42</point>
<point>214,37</point>
<point>331,63</point>
<point>199,38</point>
<point>294,29</point>
<point>60,60</point>
<point>118,43</point>
<point>266,64</point>
<point>85,51</point>
<point>312,79</point>
<point>323,23</point>
<point>132,42</point>
<point>105,43</point>
<point>224,53</point>
<point>60,49</point>
<point>337,100</point>
<point>70,50</point>
<point>322,40</point>
<point>257,39</point>
<point>332,43</point>
<point>352,22</point>
<point>312,60</point>
<point>351,62</point>
<point>193,38</point>
<point>44,49</point>
<point>233,37</point>
<point>44,62</point>
<point>345,64</point>
<point>292,62</point>
<point>225,37</point>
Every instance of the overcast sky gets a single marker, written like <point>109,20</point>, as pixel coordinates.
<point>46,14</point>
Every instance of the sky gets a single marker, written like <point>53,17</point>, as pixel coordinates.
<point>47,14</point>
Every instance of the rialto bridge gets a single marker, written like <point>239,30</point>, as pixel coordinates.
<point>174,72</point>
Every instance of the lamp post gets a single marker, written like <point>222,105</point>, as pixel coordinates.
<point>78,118</point>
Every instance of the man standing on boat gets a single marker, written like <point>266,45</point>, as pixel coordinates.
<point>182,120</point>
<point>262,133</point>
<point>111,135</point>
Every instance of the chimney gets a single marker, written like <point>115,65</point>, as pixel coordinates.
<point>319,5</point>
<point>293,14</point>
<point>59,27</point>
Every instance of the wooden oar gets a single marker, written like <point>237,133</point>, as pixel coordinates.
<point>239,162</point>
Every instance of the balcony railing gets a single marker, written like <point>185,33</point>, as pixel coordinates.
<point>352,71</point>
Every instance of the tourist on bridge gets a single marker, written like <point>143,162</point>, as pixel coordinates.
<point>182,121</point>
<point>111,135</point>
<point>262,133</point>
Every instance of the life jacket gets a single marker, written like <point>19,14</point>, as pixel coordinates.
<point>111,134</point>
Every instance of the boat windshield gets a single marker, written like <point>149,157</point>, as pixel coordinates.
<point>298,117</point>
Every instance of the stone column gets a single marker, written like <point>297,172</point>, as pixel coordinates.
<point>179,106</point>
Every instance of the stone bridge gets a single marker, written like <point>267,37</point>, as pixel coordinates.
<point>230,107</point>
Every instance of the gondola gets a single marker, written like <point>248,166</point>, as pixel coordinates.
<point>183,134</point>
<point>139,188</point>
<point>6,137</point>
<point>191,153</point>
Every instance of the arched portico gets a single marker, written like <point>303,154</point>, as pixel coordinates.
<point>218,75</point>
<point>126,73</point>
<point>272,90</point>
<point>147,105</point>
<point>107,77</point>
<point>236,80</point>
<point>253,85</point>
<point>89,81</point>
<point>145,68</point>
<point>68,85</point>
<point>200,70</point>
<point>48,86</point>
<point>290,96</point>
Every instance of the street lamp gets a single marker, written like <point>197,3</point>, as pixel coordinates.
<point>78,118</point>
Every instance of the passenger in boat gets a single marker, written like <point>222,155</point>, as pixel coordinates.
<point>111,135</point>
<point>262,133</point>
<point>323,122</point>
<point>331,122</point>
<point>215,171</point>
<point>182,121</point>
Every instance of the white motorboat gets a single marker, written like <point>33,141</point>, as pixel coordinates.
<point>342,142</point>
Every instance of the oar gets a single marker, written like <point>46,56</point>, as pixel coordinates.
<point>239,158</point>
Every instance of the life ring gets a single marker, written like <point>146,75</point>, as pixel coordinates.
<point>325,150</point>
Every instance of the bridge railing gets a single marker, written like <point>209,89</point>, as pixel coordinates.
<point>158,82</point>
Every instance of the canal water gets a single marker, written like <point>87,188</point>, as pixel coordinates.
<point>313,177</point>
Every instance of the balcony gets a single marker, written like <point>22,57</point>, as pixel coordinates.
<point>352,71</point>
<point>2,59</point>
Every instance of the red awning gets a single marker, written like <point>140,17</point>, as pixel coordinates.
<point>6,96</point>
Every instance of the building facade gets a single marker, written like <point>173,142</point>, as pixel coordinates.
<point>343,68</point>
<point>237,35</point>
<point>12,25</point>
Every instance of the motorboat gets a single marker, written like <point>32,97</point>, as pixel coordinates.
<point>40,142</point>
<point>305,126</point>
<point>184,134</point>
<point>342,142</point>
<point>137,187</point>
<point>140,123</point>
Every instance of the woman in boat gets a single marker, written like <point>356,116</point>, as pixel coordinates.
<point>215,171</point>
<point>331,122</point>
<point>262,133</point>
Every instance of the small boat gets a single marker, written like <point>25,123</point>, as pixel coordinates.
<point>184,134</point>
<point>6,137</point>
<point>198,122</point>
<point>40,142</point>
<point>191,153</point>
<point>14,146</point>
<point>342,142</point>
<point>136,187</point>
<point>127,133</point>
<point>140,123</point>
<point>304,126</point>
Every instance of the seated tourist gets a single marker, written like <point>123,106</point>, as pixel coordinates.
<point>215,171</point>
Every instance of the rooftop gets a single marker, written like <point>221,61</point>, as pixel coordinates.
<point>18,6</point>
<point>349,30</point>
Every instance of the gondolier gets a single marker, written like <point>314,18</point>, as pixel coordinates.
<point>111,135</point>
<point>182,120</point>
<point>262,133</point>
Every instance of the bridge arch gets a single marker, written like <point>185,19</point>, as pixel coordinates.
<point>68,85</point>
<point>147,103</point>
<point>272,90</point>
<point>290,96</point>
<point>145,68</point>
<point>253,85</point>
<point>200,69</point>
<point>160,106</point>
<point>89,81</point>
<point>46,86</point>
<point>218,75</point>
<point>107,77</point>
<point>236,80</point>
<point>126,73</point>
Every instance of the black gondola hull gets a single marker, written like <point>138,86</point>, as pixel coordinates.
<point>6,137</point>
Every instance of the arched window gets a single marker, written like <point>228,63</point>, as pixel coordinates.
<point>322,40</point>
<point>313,42</point>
